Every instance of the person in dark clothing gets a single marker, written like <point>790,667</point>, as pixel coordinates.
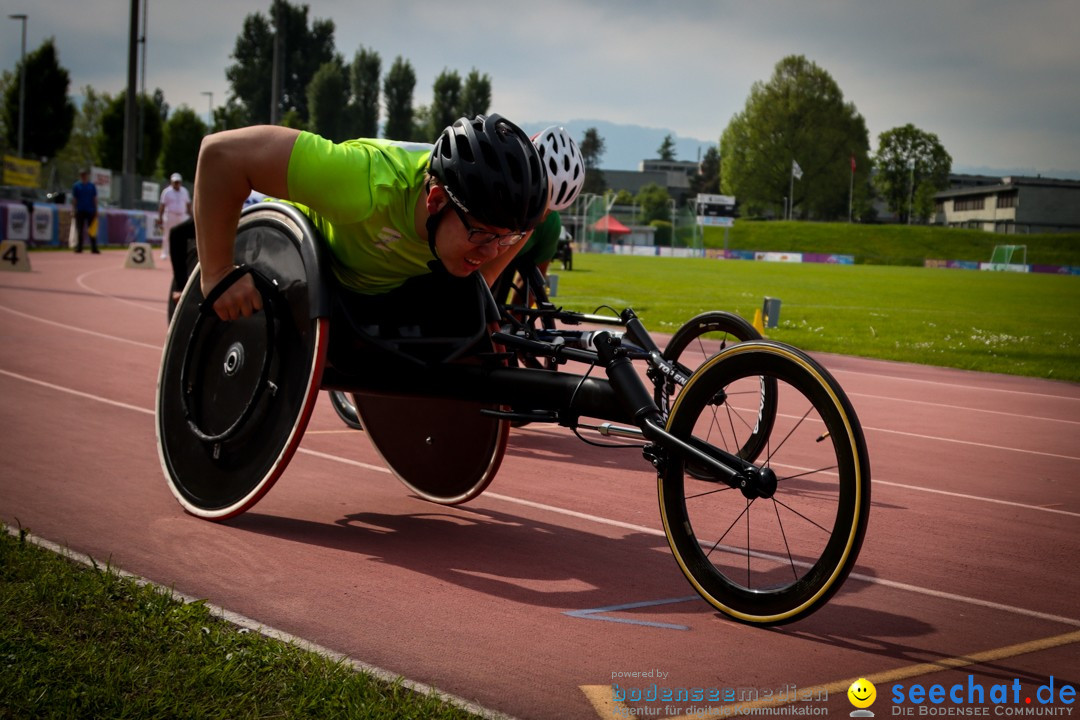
<point>183,255</point>
<point>84,198</point>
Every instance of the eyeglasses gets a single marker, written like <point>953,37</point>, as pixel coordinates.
<point>479,236</point>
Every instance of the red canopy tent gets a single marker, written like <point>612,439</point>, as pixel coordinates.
<point>610,225</point>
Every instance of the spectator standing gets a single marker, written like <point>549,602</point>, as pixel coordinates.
<point>174,208</point>
<point>84,199</point>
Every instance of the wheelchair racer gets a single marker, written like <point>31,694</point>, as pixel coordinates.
<point>566,175</point>
<point>385,209</point>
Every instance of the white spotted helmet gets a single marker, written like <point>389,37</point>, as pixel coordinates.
<point>564,164</point>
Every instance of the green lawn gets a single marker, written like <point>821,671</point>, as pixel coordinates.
<point>81,642</point>
<point>1016,323</point>
<point>892,244</point>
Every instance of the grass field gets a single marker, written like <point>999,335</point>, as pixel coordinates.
<point>892,244</point>
<point>1004,322</point>
<point>81,642</point>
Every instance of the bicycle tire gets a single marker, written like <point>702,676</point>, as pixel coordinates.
<point>769,561</point>
<point>699,339</point>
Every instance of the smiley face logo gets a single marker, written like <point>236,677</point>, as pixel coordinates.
<point>862,693</point>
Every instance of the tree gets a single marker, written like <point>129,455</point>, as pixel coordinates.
<point>48,113</point>
<point>446,102</point>
<point>110,146</point>
<point>799,115</point>
<point>183,133</point>
<point>476,94</point>
<point>326,102</point>
<point>592,149</point>
<point>666,151</point>
<point>291,119</point>
<point>655,203</point>
<point>911,163</point>
<point>230,115</point>
<point>305,51</point>
<point>81,150</point>
<point>364,74</point>
<point>398,87</point>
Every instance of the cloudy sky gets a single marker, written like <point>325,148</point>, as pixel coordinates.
<point>997,80</point>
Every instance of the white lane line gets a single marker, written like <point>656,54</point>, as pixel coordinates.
<point>945,406</point>
<point>957,386</point>
<point>964,496</point>
<point>988,446</point>
<point>627,526</point>
<point>141,306</point>
<point>858,576</point>
<point>934,438</point>
<point>82,330</point>
<point>77,393</point>
<point>865,428</point>
<point>571,513</point>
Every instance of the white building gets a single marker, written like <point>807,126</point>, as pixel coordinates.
<point>1010,205</point>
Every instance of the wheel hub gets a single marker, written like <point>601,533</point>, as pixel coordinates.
<point>757,482</point>
<point>234,359</point>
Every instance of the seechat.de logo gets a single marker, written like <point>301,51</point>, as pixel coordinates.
<point>1002,699</point>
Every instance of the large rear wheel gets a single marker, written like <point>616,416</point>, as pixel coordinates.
<point>234,398</point>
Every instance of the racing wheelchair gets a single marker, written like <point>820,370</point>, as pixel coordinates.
<point>762,470</point>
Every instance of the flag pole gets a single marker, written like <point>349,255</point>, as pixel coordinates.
<point>791,191</point>
<point>851,189</point>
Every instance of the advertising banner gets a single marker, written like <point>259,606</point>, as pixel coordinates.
<point>22,172</point>
<point>18,223</point>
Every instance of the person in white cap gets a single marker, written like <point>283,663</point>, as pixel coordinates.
<point>174,208</point>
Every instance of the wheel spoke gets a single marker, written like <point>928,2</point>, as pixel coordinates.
<point>807,473</point>
<point>788,507</point>
<point>787,548</point>
<point>772,450</point>
<point>710,492</point>
<point>721,538</point>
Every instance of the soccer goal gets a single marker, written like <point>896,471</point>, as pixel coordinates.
<point>1009,257</point>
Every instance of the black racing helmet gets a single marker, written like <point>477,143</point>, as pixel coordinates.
<point>491,168</point>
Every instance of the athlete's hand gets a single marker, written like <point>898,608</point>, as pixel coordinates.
<point>242,299</point>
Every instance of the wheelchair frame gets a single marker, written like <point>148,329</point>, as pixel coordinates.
<point>470,387</point>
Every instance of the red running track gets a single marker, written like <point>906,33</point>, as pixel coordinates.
<point>557,582</point>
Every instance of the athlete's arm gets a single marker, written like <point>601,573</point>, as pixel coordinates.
<point>232,164</point>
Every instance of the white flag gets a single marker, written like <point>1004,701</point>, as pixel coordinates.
<point>796,170</point>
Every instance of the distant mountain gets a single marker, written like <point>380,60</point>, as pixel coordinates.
<point>625,146</point>
<point>1016,172</point>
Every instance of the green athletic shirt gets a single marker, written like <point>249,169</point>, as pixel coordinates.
<point>361,196</point>
<point>544,241</point>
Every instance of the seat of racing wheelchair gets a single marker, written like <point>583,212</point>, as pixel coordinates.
<point>234,398</point>
<point>430,319</point>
